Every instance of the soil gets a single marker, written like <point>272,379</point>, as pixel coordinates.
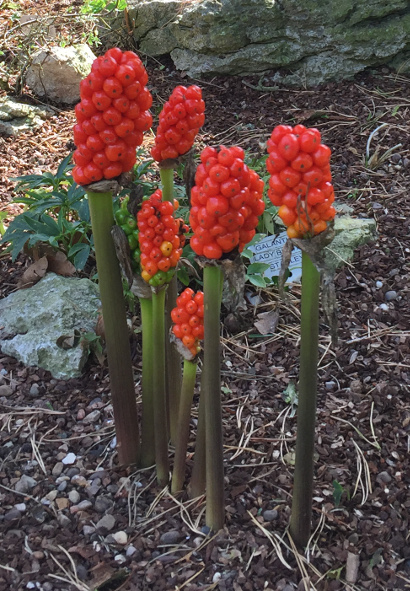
<point>89,524</point>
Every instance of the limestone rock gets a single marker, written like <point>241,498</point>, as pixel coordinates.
<point>17,117</point>
<point>314,41</point>
<point>350,233</point>
<point>56,73</point>
<point>32,320</point>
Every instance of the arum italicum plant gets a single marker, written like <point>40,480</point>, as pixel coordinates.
<point>225,204</point>
<point>111,118</point>
<point>300,184</point>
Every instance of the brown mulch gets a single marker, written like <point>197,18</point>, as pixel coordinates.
<point>51,533</point>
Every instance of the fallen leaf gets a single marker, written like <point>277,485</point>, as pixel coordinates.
<point>33,273</point>
<point>59,264</point>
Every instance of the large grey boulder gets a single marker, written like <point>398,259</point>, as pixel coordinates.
<point>33,320</point>
<point>312,40</point>
<point>56,73</point>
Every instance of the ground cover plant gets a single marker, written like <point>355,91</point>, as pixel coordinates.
<point>360,505</point>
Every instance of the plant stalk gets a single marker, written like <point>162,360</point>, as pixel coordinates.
<point>300,522</point>
<point>211,392</point>
<point>173,360</point>
<point>147,423</point>
<point>159,397</point>
<point>184,415</point>
<point>116,329</point>
<point>197,484</point>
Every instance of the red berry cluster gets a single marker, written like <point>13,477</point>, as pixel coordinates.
<point>179,123</point>
<point>159,239</point>
<point>225,202</point>
<point>300,182</point>
<point>188,319</point>
<point>111,117</point>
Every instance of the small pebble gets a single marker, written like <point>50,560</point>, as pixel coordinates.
<point>120,558</point>
<point>130,550</point>
<point>78,480</point>
<point>270,515</point>
<point>57,469</point>
<point>105,524</point>
<point>25,484</point>
<point>216,577</point>
<point>92,417</point>
<point>384,477</point>
<point>390,296</point>
<point>88,530</point>
<point>63,520</point>
<point>120,537</point>
<point>384,307</point>
<point>170,537</point>
<point>74,496</point>
<point>72,472</point>
<point>330,386</point>
<point>69,459</point>
<point>51,495</point>
<point>379,284</point>
<point>12,515</point>
<point>5,390</point>
<point>62,486</point>
<point>80,414</point>
<point>20,507</point>
<point>34,390</point>
<point>102,504</point>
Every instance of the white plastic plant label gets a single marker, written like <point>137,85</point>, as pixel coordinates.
<point>269,250</point>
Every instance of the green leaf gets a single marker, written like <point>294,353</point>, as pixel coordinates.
<point>81,256</point>
<point>268,222</point>
<point>338,491</point>
<point>39,226</point>
<point>257,280</point>
<point>257,268</point>
<point>61,170</point>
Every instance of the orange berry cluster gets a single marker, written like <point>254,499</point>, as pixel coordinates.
<point>111,117</point>
<point>179,122</point>
<point>225,202</point>
<point>188,319</point>
<point>159,240</point>
<point>300,182</point>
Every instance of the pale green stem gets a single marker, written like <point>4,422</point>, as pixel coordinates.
<point>116,329</point>
<point>160,407</point>
<point>211,391</point>
<point>300,522</point>
<point>184,416</point>
<point>147,423</point>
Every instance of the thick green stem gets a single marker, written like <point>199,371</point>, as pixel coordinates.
<point>116,329</point>
<point>147,423</point>
<point>173,364</point>
<point>301,517</point>
<point>211,391</point>
<point>160,407</point>
<point>184,416</point>
<point>167,180</point>
<point>197,483</point>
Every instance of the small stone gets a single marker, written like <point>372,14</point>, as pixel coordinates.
<point>51,495</point>
<point>74,496</point>
<point>356,386</point>
<point>216,577</point>
<point>120,558</point>
<point>78,480</point>
<point>120,537</point>
<point>92,417</point>
<point>130,550</point>
<point>62,486</point>
<point>102,504</point>
<point>69,459</point>
<point>63,520</point>
<point>57,469</point>
<point>105,524</point>
<point>92,491</point>
<point>12,515</point>
<point>377,205</point>
<point>5,390</point>
<point>270,515</point>
<point>72,472</point>
<point>390,296</point>
<point>330,385</point>
<point>170,537</point>
<point>34,390</point>
<point>62,503</point>
<point>84,505</point>
<point>379,284</point>
<point>80,414</point>
<point>384,307</point>
<point>20,507</point>
<point>384,477</point>
<point>38,554</point>
<point>25,484</point>
<point>205,529</point>
<point>88,530</point>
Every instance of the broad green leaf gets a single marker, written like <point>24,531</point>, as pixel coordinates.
<point>81,257</point>
<point>257,280</point>
<point>257,268</point>
<point>62,169</point>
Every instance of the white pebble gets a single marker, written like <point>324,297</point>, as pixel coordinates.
<point>383,307</point>
<point>120,558</point>
<point>120,537</point>
<point>379,284</point>
<point>69,459</point>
